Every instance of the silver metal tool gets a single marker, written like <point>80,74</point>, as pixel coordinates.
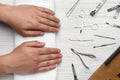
<point>104,45</point>
<point>105,37</point>
<point>74,72</point>
<point>86,40</point>
<point>83,54</point>
<point>117,8</point>
<point>80,59</point>
<point>72,9</point>
<point>113,25</point>
<point>117,13</point>
<point>92,26</point>
<point>98,7</point>
<point>113,8</point>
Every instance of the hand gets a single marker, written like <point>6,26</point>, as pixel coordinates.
<point>32,57</point>
<point>29,20</point>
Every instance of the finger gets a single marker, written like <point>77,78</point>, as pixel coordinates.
<point>48,16</point>
<point>48,63</point>
<point>46,68</point>
<point>43,51</point>
<point>45,28</point>
<point>48,22</point>
<point>46,10</point>
<point>49,57</point>
<point>33,33</point>
<point>34,44</point>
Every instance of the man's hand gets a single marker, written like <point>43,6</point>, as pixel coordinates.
<point>29,20</point>
<point>31,57</point>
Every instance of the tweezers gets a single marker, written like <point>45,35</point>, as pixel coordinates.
<point>72,8</point>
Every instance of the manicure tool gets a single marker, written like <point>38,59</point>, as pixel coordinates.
<point>88,55</point>
<point>72,9</point>
<point>117,8</point>
<point>74,72</point>
<point>113,25</point>
<point>110,69</point>
<point>98,7</point>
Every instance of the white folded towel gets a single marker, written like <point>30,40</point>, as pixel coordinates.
<point>48,38</point>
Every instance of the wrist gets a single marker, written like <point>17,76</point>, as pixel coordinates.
<point>4,12</point>
<point>5,67</point>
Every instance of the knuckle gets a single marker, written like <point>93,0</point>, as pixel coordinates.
<point>37,51</point>
<point>47,16</point>
<point>48,63</point>
<point>59,60</point>
<point>56,61</point>
<point>49,50</point>
<point>52,23</point>
<point>46,28</point>
<point>54,50</point>
<point>56,56</point>
<point>43,27</point>
<point>52,67</point>
<point>47,21</point>
<point>49,56</point>
<point>53,62</point>
<point>40,58</point>
<point>43,69</point>
<point>35,17</point>
<point>56,19</point>
<point>34,24</point>
<point>36,59</point>
<point>23,33</point>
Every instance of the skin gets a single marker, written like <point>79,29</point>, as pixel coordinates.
<point>30,57</point>
<point>29,20</point>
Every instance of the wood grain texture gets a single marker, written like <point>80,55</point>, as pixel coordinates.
<point>109,72</point>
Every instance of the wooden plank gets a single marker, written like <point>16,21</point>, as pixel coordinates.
<point>109,72</point>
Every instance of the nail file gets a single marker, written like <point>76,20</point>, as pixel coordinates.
<point>48,38</point>
<point>98,7</point>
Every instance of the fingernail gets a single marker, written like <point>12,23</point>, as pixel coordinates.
<point>57,30</point>
<point>58,51</point>
<point>54,66</point>
<point>42,43</point>
<point>59,25</point>
<point>41,33</point>
<point>53,12</point>
<point>58,20</point>
<point>59,60</point>
<point>60,55</point>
